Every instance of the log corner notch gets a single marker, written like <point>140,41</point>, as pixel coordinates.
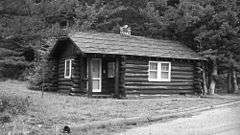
<point>116,79</point>
<point>199,83</point>
<point>232,81</point>
<point>213,76</point>
<point>235,83</point>
<point>122,63</point>
<point>89,73</point>
<point>53,66</point>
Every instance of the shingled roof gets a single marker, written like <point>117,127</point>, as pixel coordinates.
<point>108,43</point>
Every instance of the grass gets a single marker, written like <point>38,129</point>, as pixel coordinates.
<point>48,114</point>
<point>12,106</point>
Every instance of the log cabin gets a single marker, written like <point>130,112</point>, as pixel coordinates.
<point>122,65</point>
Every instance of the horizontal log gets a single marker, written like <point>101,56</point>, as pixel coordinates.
<point>64,84</point>
<point>64,79</point>
<point>136,75</point>
<point>60,72</point>
<point>159,83</point>
<point>174,72</point>
<point>190,75</point>
<point>181,77</point>
<point>64,87</point>
<point>69,82</point>
<point>78,77</point>
<point>146,80</point>
<point>183,74</point>
<point>130,66</point>
<point>131,70</point>
<point>182,64</point>
<point>136,62</point>
<point>159,87</point>
<point>62,64</point>
<point>61,68</point>
<point>166,91</point>
<point>67,87</point>
<point>182,68</point>
<point>128,78</point>
<point>181,80</point>
<point>133,92</point>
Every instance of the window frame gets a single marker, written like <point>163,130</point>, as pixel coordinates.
<point>159,71</point>
<point>70,68</point>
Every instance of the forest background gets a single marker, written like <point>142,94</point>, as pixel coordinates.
<point>28,29</point>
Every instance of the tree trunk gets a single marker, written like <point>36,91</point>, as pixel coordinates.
<point>204,82</point>
<point>229,79</point>
<point>235,84</point>
<point>213,77</point>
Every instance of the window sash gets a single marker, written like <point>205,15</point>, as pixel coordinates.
<point>166,68</point>
<point>68,68</point>
<point>153,70</point>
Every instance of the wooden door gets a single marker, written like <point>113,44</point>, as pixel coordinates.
<point>96,70</point>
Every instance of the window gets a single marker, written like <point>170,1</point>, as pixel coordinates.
<point>68,68</point>
<point>111,69</point>
<point>159,71</point>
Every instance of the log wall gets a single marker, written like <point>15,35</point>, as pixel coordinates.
<point>72,84</point>
<point>136,78</point>
<point>64,85</point>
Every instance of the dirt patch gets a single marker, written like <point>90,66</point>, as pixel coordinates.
<point>51,112</point>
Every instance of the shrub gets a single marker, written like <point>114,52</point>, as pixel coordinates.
<point>11,106</point>
<point>42,75</point>
<point>12,67</point>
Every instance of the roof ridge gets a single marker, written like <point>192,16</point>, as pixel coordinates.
<point>111,43</point>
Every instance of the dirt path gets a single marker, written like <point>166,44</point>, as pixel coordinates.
<point>222,121</point>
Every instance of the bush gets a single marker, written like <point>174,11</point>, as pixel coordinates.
<point>11,106</point>
<point>42,75</point>
<point>12,67</point>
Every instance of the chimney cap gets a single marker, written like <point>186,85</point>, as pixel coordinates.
<point>125,30</point>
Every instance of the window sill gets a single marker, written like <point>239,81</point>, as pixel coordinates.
<point>67,77</point>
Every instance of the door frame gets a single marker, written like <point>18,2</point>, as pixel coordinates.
<point>100,75</point>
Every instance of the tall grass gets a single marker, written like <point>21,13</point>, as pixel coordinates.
<point>11,105</point>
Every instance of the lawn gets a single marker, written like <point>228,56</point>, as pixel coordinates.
<point>47,114</point>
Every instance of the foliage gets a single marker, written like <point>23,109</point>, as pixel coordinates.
<point>203,25</point>
<point>12,67</point>
<point>42,74</point>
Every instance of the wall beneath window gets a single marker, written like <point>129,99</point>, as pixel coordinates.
<point>136,77</point>
<point>66,50</point>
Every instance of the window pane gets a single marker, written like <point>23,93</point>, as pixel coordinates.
<point>153,75</point>
<point>95,68</point>
<point>164,75</point>
<point>153,66</point>
<point>67,68</point>
<point>95,84</point>
<point>165,66</point>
